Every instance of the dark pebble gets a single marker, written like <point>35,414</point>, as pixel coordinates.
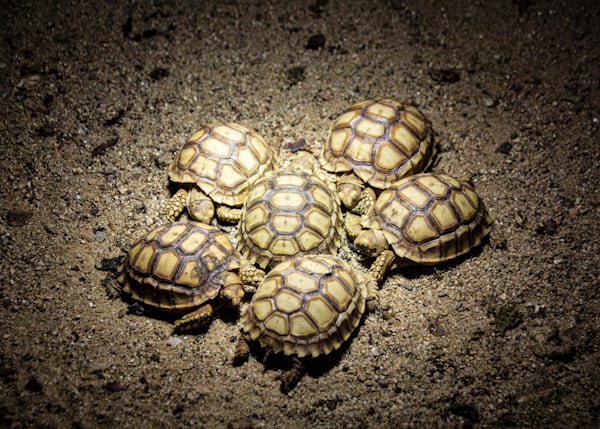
<point>297,145</point>
<point>316,42</point>
<point>33,385</point>
<point>436,329</point>
<point>8,374</point>
<point>46,130</point>
<point>127,27</point>
<point>159,73</point>
<point>295,75</point>
<point>318,6</point>
<point>507,317</point>
<point>18,217</point>
<point>109,264</point>
<point>113,386</point>
<point>444,75</point>
<point>243,423</point>
<point>548,227</point>
<point>116,119</point>
<point>504,148</point>
<point>467,412</point>
<point>99,149</point>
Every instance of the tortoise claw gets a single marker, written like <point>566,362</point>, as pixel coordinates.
<point>291,377</point>
<point>194,320</point>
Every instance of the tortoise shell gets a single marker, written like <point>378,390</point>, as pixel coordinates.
<point>306,306</point>
<point>288,214</point>
<point>430,218</point>
<point>381,140</point>
<point>177,267</point>
<point>223,159</point>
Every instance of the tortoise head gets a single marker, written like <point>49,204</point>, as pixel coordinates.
<point>349,189</point>
<point>371,242</point>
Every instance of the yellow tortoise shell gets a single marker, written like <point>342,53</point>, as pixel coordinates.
<point>289,214</point>
<point>431,218</point>
<point>223,159</point>
<point>177,267</point>
<point>381,140</point>
<point>307,306</point>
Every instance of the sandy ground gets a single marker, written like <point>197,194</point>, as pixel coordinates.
<point>96,99</point>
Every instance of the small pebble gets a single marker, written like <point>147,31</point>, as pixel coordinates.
<point>408,287</point>
<point>374,352</point>
<point>489,102</point>
<point>100,236</point>
<point>173,341</point>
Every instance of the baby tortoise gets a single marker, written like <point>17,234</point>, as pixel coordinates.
<point>217,164</point>
<point>290,213</point>
<point>427,218</point>
<point>187,269</point>
<point>305,307</point>
<point>376,142</point>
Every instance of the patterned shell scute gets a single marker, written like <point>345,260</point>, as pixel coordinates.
<point>382,140</point>
<point>307,306</point>
<point>288,214</point>
<point>223,159</point>
<point>431,218</point>
<point>177,267</point>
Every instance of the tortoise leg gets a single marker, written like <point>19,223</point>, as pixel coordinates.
<point>372,291</point>
<point>113,289</point>
<point>291,377</point>
<point>232,291</point>
<point>242,351</point>
<point>200,206</point>
<point>352,226</point>
<point>229,214</point>
<point>175,206</point>
<point>251,276</point>
<point>366,202</point>
<point>195,319</point>
<point>114,286</point>
<point>381,265</point>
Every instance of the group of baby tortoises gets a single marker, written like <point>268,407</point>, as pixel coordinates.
<point>291,222</point>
